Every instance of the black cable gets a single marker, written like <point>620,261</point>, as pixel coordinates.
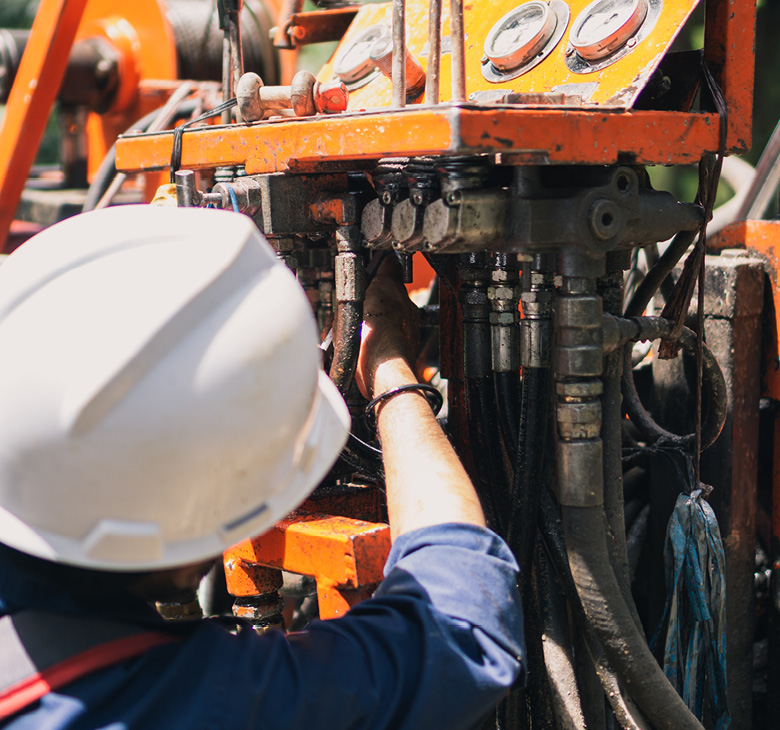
<point>659,273</point>
<point>718,399</point>
<point>178,133</point>
<point>107,170</point>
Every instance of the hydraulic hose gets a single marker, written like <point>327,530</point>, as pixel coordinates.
<point>508,399</point>
<point>612,437</point>
<point>483,431</point>
<point>713,381</point>
<point>578,367</point>
<point>550,527</point>
<point>657,275</point>
<point>534,425</point>
<point>558,660</point>
<point>585,532</point>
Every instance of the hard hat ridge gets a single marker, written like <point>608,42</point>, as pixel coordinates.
<point>170,401</point>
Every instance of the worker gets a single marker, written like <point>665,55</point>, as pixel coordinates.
<point>161,398</point>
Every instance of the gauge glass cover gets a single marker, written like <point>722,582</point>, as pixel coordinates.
<point>354,62</point>
<point>520,35</point>
<point>606,25</point>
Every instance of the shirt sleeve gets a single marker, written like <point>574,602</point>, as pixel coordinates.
<point>438,645</point>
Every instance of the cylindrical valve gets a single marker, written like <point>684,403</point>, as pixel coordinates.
<point>305,96</point>
<point>382,55</point>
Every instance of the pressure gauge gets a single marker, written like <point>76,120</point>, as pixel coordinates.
<point>605,26</point>
<point>520,35</point>
<point>523,38</point>
<point>354,65</point>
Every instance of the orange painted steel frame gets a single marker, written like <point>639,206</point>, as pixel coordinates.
<point>36,86</point>
<point>346,556</point>
<point>524,136</point>
<point>142,38</point>
<point>762,239</point>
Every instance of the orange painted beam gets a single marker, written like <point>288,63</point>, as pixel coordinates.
<point>36,86</point>
<point>730,50</point>
<point>526,135</point>
<point>761,239</point>
<point>346,556</point>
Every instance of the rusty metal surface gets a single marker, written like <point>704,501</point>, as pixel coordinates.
<point>245,578</point>
<point>762,239</point>
<point>615,86</point>
<point>318,27</point>
<point>346,556</point>
<point>524,135</point>
<point>730,34</point>
<point>734,304</point>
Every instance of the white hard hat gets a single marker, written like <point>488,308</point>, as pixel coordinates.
<point>161,395</point>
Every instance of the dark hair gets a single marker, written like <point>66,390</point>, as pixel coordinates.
<point>81,582</point>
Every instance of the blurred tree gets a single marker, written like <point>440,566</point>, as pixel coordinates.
<point>17,13</point>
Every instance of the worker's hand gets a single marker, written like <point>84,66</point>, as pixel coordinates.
<point>390,325</point>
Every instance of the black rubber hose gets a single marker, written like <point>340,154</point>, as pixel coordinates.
<point>657,275</point>
<point>490,478</point>
<point>507,386</point>
<point>107,170</point>
<point>346,344</point>
<point>551,530</point>
<point>716,393</point>
<point>558,660</point>
<point>364,458</point>
<point>585,533</point>
<point>612,438</point>
<point>536,398</point>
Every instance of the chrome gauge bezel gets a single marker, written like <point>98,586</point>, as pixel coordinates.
<point>637,27</point>
<point>533,52</point>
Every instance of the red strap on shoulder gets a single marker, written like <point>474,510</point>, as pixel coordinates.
<point>35,686</point>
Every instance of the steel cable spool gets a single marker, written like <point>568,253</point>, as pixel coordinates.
<point>195,25</point>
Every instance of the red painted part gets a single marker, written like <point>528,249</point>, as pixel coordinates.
<point>34,687</point>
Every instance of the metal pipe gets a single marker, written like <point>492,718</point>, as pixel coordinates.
<point>458,51</point>
<point>186,192</point>
<point>236,51</point>
<point>434,53</point>
<point>350,291</point>
<point>399,54</point>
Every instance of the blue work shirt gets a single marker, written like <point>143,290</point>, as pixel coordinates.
<point>436,647</point>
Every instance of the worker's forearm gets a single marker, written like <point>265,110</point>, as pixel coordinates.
<point>426,483</point>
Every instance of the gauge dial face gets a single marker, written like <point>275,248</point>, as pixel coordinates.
<point>354,62</point>
<point>520,35</point>
<point>605,26</point>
